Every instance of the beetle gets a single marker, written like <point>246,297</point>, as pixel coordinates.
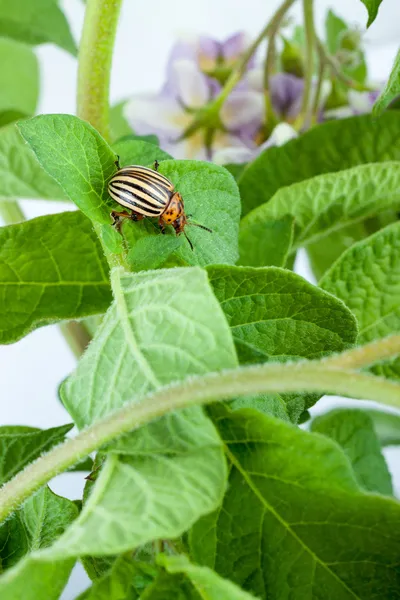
<point>147,193</point>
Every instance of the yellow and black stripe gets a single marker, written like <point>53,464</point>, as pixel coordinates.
<point>143,190</point>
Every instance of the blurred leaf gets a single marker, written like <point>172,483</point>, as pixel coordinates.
<point>43,278</point>
<point>19,77</point>
<point>38,22</point>
<point>392,88</point>
<point>372,8</point>
<point>329,147</point>
<point>293,514</point>
<point>265,243</point>
<point>31,573</point>
<point>367,278</point>
<point>354,431</point>
<point>334,28</point>
<point>160,479</point>
<point>386,426</point>
<point>119,126</point>
<point>21,445</point>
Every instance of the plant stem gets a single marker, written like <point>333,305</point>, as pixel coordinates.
<point>367,355</point>
<point>11,212</point>
<point>311,376</point>
<point>317,96</point>
<point>95,58</point>
<point>240,68</point>
<point>309,30</point>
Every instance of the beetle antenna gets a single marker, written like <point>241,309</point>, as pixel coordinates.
<point>190,243</point>
<point>201,226</point>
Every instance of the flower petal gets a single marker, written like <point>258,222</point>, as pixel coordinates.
<point>255,79</point>
<point>243,108</point>
<point>234,46</point>
<point>159,115</point>
<point>208,52</point>
<point>280,135</point>
<point>286,94</point>
<point>190,83</point>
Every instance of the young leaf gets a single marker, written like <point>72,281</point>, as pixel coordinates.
<point>372,7</point>
<point>211,195</point>
<point>38,22</point>
<point>207,584</point>
<point>392,88</point>
<point>329,147</point>
<point>19,77</point>
<point>77,157</point>
<point>21,445</point>
<point>354,431</point>
<point>294,516</point>
<point>331,202</point>
<point>43,278</point>
<point>275,314</point>
<point>334,27</point>
<point>265,243</point>
<point>367,279</point>
<point>30,573</point>
<point>163,326</point>
<point>20,173</point>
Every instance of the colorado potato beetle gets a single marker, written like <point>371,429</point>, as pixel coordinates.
<point>147,193</point>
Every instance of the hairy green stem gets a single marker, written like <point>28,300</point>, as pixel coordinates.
<point>367,355</point>
<point>95,58</point>
<point>309,30</point>
<point>311,376</point>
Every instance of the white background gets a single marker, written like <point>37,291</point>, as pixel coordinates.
<point>32,369</point>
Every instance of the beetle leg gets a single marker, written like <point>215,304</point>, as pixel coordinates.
<point>116,162</point>
<point>118,218</point>
<point>156,165</point>
<point>161,225</point>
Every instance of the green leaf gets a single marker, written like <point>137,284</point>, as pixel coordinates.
<point>211,195</point>
<point>294,523</point>
<point>21,445</point>
<point>372,7</point>
<point>334,27</point>
<point>151,252</point>
<point>332,202</point>
<point>392,88</point>
<point>21,176</point>
<point>277,315</point>
<point>329,147</point>
<point>354,431</point>
<point>139,152</point>
<point>31,572</point>
<point>42,276</point>
<point>126,580</point>
<point>77,157</point>
<point>367,279</point>
<point>38,22</point>
<point>205,582</point>
<point>19,77</point>
<point>163,326</point>
<point>265,243</point>
<point>386,426</point>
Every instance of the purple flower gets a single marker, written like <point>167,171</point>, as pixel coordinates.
<point>169,113</point>
<point>359,103</point>
<point>286,92</point>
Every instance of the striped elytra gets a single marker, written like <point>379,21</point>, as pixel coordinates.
<point>147,193</point>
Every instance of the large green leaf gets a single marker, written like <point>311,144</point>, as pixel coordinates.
<point>372,8</point>
<point>21,445</point>
<point>51,268</point>
<point>77,157</point>
<point>392,88</point>
<point>21,176</point>
<point>294,523</point>
<point>332,202</point>
<point>23,538</point>
<point>38,22</point>
<point>163,326</point>
<point>367,278</point>
<point>19,77</point>
<point>329,147</point>
<point>277,315</point>
<point>354,431</point>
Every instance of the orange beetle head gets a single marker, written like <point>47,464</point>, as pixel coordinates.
<point>174,214</point>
